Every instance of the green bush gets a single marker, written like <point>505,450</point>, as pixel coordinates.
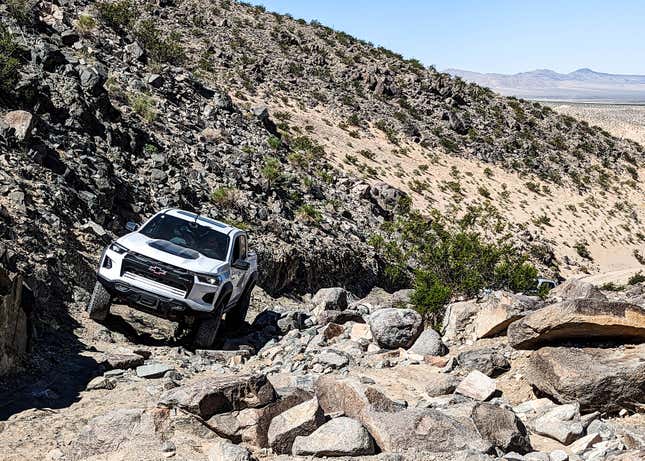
<point>457,258</point>
<point>160,48</point>
<point>9,63</point>
<point>143,105</point>
<point>430,295</point>
<point>636,278</point>
<point>117,15</point>
<point>271,170</point>
<point>309,213</point>
<point>223,196</point>
<point>21,10</point>
<point>583,251</point>
<point>85,24</point>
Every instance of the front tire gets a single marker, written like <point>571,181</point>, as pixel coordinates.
<point>99,306</point>
<point>236,316</point>
<point>207,328</point>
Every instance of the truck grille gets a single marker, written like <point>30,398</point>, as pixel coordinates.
<point>161,273</point>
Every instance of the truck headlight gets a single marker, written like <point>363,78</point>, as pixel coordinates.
<point>209,279</point>
<point>119,249</point>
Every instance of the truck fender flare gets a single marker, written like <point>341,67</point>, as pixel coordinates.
<point>227,290</point>
<point>252,279</point>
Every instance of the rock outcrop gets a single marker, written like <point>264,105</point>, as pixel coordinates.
<point>579,319</point>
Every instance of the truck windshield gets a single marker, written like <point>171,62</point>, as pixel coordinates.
<point>188,234</point>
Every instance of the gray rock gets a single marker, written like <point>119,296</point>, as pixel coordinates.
<point>153,370</point>
<point>558,455</point>
<point>333,359</point>
<point>101,382</point>
<point>219,394</point>
<point>501,427</point>
<point>561,423</point>
<point>330,299</point>
<point>223,450</point>
<point>429,343</point>
<point>576,289</point>
<point>488,361</point>
<point>441,384</point>
<point>300,420</point>
<point>339,437</point>
<point>393,328</point>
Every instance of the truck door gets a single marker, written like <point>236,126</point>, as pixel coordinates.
<point>238,276</point>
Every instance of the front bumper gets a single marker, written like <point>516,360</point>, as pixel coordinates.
<point>148,294</point>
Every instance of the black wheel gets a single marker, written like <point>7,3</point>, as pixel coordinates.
<point>236,316</point>
<point>99,306</point>
<point>207,328</point>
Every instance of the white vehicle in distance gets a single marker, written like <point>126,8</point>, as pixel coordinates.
<point>180,266</point>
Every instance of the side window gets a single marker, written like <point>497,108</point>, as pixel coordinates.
<point>239,252</point>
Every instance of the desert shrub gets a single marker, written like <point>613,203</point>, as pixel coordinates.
<point>309,213</point>
<point>271,171</point>
<point>85,24</point>
<point>636,278</point>
<point>582,250</point>
<point>117,15</point>
<point>144,106</point>
<point>444,257</point>
<point>274,142</point>
<point>224,196</point>
<point>9,63</point>
<point>430,294</point>
<point>21,10</point>
<point>161,48</point>
<point>611,286</point>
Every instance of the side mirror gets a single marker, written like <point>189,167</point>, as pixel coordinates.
<point>242,265</point>
<point>131,226</point>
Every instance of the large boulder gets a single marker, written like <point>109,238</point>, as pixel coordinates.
<point>501,427</point>
<point>579,319</point>
<point>393,328</point>
<point>605,380</point>
<point>300,420</point>
<point>219,394</point>
<point>386,197</point>
<point>251,425</point>
<point>561,423</point>
<point>576,289</point>
<point>339,437</point>
<point>429,343</point>
<point>14,328</point>
<point>351,397</point>
<point>330,299</point>
<point>422,429</point>
<point>499,310</point>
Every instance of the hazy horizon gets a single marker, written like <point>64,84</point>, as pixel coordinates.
<point>499,36</point>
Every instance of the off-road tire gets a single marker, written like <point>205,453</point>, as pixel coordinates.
<point>236,316</point>
<point>99,306</point>
<point>206,328</point>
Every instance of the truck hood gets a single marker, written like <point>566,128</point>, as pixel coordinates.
<point>139,243</point>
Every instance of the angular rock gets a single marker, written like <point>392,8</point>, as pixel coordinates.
<point>501,427</point>
<point>22,123</point>
<point>441,384</point>
<point>584,443</point>
<point>428,343</point>
<point>123,361</point>
<point>300,420</point>
<point>458,321</point>
<point>339,437</point>
<point>576,289</point>
<point>393,328</point>
<point>488,361</point>
<point>360,331</point>
<point>210,396</point>
<point>223,450</point>
<point>422,429</point>
<point>580,319</point>
<point>499,310</point>
<point>477,386</point>
<point>14,322</point>
<point>604,380</point>
<point>561,423</point>
<point>330,299</point>
<point>101,382</point>
<point>153,370</point>
<point>350,397</point>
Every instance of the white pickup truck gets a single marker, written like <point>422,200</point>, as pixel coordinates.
<point>181,266</point>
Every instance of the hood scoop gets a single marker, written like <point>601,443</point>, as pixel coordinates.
<point>173,249</point>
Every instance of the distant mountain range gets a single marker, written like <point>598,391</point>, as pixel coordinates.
<point>580,85</point>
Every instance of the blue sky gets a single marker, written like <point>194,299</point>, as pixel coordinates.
<point>505,36</point>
